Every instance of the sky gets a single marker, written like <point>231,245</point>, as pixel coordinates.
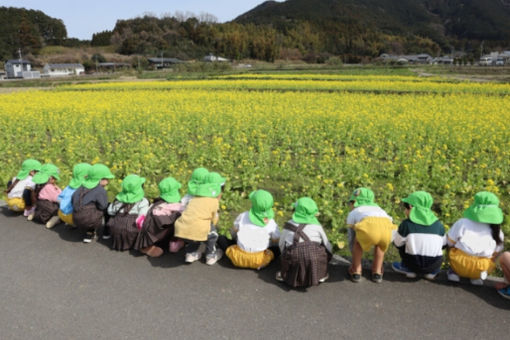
<point>84,18</point>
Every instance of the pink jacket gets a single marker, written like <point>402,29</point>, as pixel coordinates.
<point>50,192</point>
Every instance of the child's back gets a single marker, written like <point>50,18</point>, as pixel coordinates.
<point>129,205</point>
<point>91,200</point>
<point>19,188</point>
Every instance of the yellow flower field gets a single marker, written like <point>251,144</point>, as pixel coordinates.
<point>320,138</point>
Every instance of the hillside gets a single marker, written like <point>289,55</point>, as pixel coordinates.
<point>446,22</point>
<point>28,30</point>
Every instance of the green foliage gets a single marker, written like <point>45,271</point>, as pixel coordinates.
<point>102,38</point>
<point>28,30</point>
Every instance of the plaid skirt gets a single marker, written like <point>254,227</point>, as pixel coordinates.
<point>123,230</point>
<point>303,264</point>
<point>44,210</point>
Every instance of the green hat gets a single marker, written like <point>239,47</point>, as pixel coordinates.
<point>485,209</point>
<point>79,173</point>
<point>95,174</point>
<point>132,190</point>
<point>420,212</point>
<point>47,171</point>
<point>363,196</point>
<point>305,212</point>
<point>198,177</point>
<point>215,178</point>
<point>261,207</point>
<point>27,166</point>
<point>212,186</point>
<point>169,190</point>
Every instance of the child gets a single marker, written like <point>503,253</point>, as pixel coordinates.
<point>305,247</point>
<point>370,226</point>
<point>198,177</point>
<point>158,226</point>
<point>504,262</point>
<point>19,188</point>
<point>475,240</point>
<point>90,201</point>
<point>129,205</point>
<point>198,221</point>
<point>65,212</point>
<point>46,193</point>
<point>254,231</point>
<point>420,238</point>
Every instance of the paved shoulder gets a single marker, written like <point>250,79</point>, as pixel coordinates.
<point>55,287</point>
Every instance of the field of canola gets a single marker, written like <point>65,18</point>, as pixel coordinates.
<point>294,135</point>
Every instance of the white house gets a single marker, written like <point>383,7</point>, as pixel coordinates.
<point>15,68</point>
<point>59,70</point>
<point>213,58</point>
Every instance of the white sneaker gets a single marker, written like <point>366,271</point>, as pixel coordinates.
<point>30,217</point>
<point>279,276</point>
<point>477,282</point>
<point>53,222</point>
<point>430,276</point>
<point>452,276</point>
<point>324,279</point>
<point>196,255</point>
<point>213,258</point>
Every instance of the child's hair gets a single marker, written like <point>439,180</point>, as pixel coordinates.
<point>406,205</point>
<point>496,229</point>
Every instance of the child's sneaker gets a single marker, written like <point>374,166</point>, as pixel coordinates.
<point>196,255</point>
<point>52,222</point>
<point>324,279</point>
<point>505,292</point>
<point>431,276</point>
<point>477,282</point>
<point>106,233</point>
<point>89,237</point>
<point>211,259</point>
<point>452,276</point>
<point>377,277</point>
<point>400,268</point>
<point>279,276</point>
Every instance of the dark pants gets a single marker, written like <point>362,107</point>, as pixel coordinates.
<point>420,264</point>
<point>27,197</point>
<point>212,237</point>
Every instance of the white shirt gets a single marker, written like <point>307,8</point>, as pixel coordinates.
<point>314,232</point>
<point>358,214</point>
<point>253,238</point>
<point>18,189</point>
<point>474,238</point>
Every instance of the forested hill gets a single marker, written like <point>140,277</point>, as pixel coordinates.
<point>446,22</point>
<point>28,30</point>
<point>311,30</point>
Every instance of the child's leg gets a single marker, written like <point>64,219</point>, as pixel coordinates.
<point>191,247</point>
<point>27,197</point>
<point>357,254</point>
<point>377,263</point>
<point>504,262</point>
<point>211,241</point>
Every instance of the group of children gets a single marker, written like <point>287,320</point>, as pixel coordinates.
<point>475,242</point>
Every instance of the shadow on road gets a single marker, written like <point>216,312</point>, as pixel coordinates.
<point>9,213</point>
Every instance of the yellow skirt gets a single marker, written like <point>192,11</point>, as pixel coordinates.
<point>16,204</point>
<point>469,266</point>
<point>67,219</point>
<point>243,259</point>
<point>374,231</point>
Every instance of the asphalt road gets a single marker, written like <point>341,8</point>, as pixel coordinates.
<point>53,286</point>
